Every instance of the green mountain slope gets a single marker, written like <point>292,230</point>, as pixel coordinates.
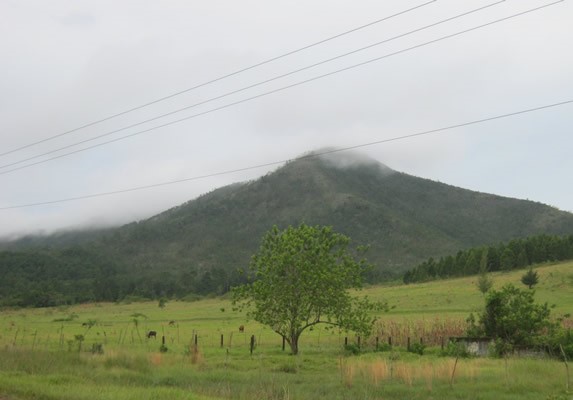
<point>404,219</point>
<point>199,245</point>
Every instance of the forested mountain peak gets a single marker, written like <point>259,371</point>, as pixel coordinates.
<point>199,245</point>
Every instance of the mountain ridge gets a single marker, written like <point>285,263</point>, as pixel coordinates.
<point>199,245</point>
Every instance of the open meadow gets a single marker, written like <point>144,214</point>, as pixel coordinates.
<point>101,351</point>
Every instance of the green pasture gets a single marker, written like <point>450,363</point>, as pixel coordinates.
<point>43,356</point>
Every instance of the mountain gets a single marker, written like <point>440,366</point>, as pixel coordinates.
<point>404,219</point>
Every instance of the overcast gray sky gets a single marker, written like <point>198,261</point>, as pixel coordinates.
<point>68,63</point>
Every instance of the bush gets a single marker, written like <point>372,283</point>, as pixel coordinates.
<point>562,339</point>
<point>97,348</point>
<point>512,318</point>
<point>455,349</point>
<point>500,348</point>
<point>384,347</point>
<point>417,348</point>
<point>352,349</point>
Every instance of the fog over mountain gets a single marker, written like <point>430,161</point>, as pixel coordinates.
<point>68,64</point>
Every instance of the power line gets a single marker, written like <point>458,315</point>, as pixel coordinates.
<point>240,90</point>
<point>313,155</point>
<point>219,78</point>
<point>281,88</point>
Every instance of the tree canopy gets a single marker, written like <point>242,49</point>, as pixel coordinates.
<point>512,316</point>
<point>300,278</point>
<point>530,278</point>
<point>518,253</point>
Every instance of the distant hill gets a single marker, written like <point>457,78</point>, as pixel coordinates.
<point>200,244</point>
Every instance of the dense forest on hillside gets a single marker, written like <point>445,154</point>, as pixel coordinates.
<point>44,278</point>
<point>198,247</point>
<point>503,257</point>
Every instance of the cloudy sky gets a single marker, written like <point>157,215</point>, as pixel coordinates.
<point>66,64</point>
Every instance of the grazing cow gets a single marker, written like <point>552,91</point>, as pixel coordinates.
<point>242,328</point>
<point>171,323</point>
<point>152,334</point>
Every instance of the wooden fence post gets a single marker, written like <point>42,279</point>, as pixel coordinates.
<point>221,340</point>
<point>284,343</point>
<point>252,343</point>
<point>408,346</point>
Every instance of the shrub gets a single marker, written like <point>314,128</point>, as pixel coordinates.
<point>512,317</point>
<point>97,348</point>
<point>561,339</point>
<point>417,348</point>
<point>455,349</point>
<point>384,347</point>
<point>352,348</point>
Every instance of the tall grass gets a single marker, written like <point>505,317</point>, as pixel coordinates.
<point>431,330</point>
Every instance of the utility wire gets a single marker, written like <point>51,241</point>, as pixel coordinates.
<point>245,88</point>
<point>284,87</point>
<point>219,78</point>
<point>313,155</point>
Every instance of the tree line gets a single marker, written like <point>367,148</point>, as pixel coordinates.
<point>516,254</point>
<point>51,277</point>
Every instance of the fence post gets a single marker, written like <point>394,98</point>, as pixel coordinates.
<point>390,341</point>
<point>195,339</point>
<point>221,340</point>
<point>346,341</point>
<point>252,343</point>
<point>408,346</point>
<point>284,343</point>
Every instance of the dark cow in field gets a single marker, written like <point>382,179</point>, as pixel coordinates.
<point>242,328</point>
<point>151,334</point>
<point>171,323</point>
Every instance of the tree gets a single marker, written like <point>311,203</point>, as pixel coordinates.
<point>530,278</point>
<point>301,278</point>
<point>512,316</point>
<point>484,282</point>
<point>507,259</point>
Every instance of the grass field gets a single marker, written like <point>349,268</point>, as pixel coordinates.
<point>45,353</point>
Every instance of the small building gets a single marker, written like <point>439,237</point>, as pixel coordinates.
<point>476,346</point>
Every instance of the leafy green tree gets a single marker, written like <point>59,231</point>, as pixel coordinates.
<point>511,316</point>
<point>530,278</point>
<point>507,259</point>
<point>301,278</point>
<point>484,282</point>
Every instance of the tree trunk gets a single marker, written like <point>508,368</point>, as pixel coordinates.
<point>293,342</point>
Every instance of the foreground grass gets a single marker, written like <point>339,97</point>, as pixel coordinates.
<point>42,358</point>
<point>393,375</point>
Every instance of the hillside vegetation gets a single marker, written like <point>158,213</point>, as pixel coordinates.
<point>516,254</point>
<point>199,246</point>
